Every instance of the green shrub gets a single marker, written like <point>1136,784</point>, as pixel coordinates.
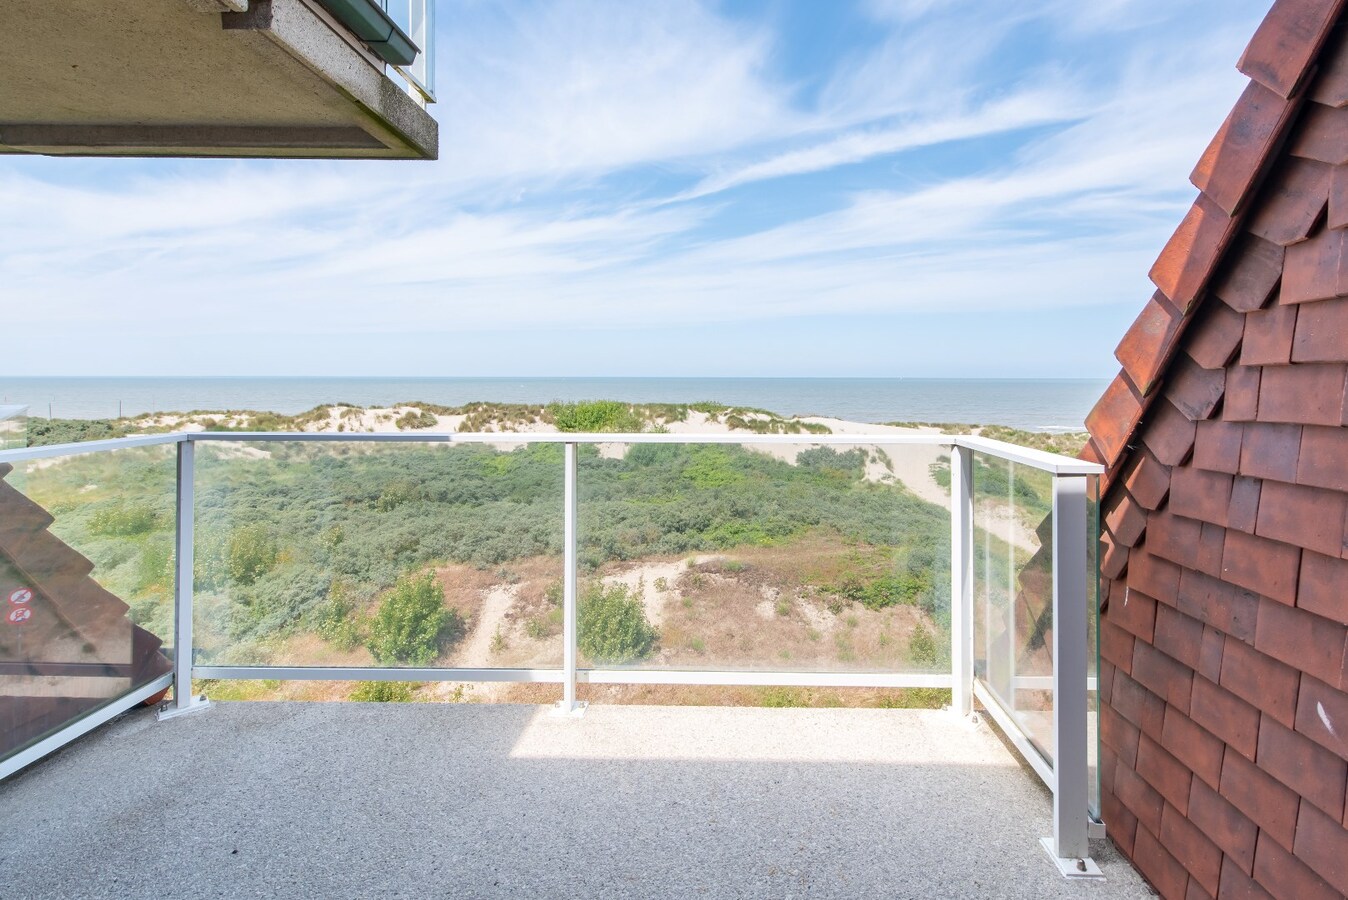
<point>612,626</point>
<point>383,692</point>
<point>924,650</point>
<point>412,622</point>
<point>124,520</point>
<point>410,421</point>
<point>252,553</point>
<point>595,415</point>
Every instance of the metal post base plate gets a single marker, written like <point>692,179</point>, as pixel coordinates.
<point>560,710</point>
<point>170,711</point>
<point>1072,868</point>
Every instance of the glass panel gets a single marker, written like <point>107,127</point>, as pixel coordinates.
<point>1013,591</point>
<point>769,557</point>
<point>86,585</point>
<point>13,427</point>
<point>378,554</point>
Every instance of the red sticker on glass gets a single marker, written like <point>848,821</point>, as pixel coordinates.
<point>19,615</point>
<point>21,597</point>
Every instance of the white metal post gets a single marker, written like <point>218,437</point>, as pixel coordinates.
<point>569,706</point>
<point>1068,845</point>
<point>961,580</point>
<point>183,564</point>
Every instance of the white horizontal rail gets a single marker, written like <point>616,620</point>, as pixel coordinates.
<point>1049,462</point>
<point>589,676</point>
<point>51,451</point>
<point>766,679</point>
<point>375,673</point>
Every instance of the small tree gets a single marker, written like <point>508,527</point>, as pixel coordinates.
<point>412,622</point>
<point>612,626</point>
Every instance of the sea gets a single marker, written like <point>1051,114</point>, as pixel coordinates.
<point>1031,404</point>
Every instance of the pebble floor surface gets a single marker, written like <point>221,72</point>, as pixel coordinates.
<point>334,800</point>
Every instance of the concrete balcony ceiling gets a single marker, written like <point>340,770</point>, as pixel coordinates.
<point>266,78</point>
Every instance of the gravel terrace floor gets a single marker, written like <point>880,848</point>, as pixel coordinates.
<point>364,800</point>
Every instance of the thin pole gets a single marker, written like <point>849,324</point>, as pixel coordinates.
<point>183,565</point>
<point>569,563</point>
<point>1070,763</point>
<point>961,580</point>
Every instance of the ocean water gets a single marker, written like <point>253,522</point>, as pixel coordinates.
<point>1035,404</point>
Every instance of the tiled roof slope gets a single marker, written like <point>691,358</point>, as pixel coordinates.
<point>77,649</point>
<point>1224,680</point>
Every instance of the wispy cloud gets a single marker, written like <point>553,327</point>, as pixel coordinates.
<point>610,165</point>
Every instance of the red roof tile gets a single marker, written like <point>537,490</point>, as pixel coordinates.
<point>1268,337</point>
<point>1144,349</point>
<point>1242,394</point>
<point>1314,269</point>
<point>1310,394</point>
<point>1322,715</point>
<point>1216,336</point>
<point>1148,481</point>
<point>1321,461</point>
<point>1200,856</point>
<point>1177,636</point>
<point>1225,715</point>
<point>1168,433</point>
<point>1270,451</point>
<point>1293,202</point>
<point>1224,606</point>
<point>1217,446</point>
<point>1261,565</point>
<point>1307,768</point>
<point>1199,494</point>
<point>1322,135</point>
<point>1158,866</point>
<point>1322,843</point>
<point>1194,390</point>
<point>1174,538</point>
<point>1243,513</point>
<point>1233,160</point>
<point>1191,255</point>
<point>1303,641</point>
<point>1260,680</point>
<point>1338,198</point>
<point>1322,590</point>
<point>1248,278</point>
<point>1303,516</point>
<point>1268,802</point>
<point>1331,82</point>
<point>1125,519</point>
<point>1287,41</point>
<point>1292,879</point>
<point>1321,332</point>
<point>1112,420</point>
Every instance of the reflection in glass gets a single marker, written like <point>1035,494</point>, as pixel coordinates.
<point>86,562</point>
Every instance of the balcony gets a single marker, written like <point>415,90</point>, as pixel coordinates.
<point>266,78</point>
<point>569,566</point>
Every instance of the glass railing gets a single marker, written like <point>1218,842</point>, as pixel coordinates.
<point>86,589</point>
<point>416,18</point>
<point>885,561</point>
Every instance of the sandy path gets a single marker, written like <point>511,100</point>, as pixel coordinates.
<point>644,577</point>
<point>475,652</point>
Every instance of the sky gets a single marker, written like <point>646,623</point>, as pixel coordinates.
<point>914,188</point>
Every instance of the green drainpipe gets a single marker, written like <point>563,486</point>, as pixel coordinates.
<point>368,21</point>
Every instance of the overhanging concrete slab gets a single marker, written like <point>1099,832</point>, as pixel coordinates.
<point>281,78</point>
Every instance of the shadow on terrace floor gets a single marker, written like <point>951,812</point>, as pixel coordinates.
<point>426,800</point>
